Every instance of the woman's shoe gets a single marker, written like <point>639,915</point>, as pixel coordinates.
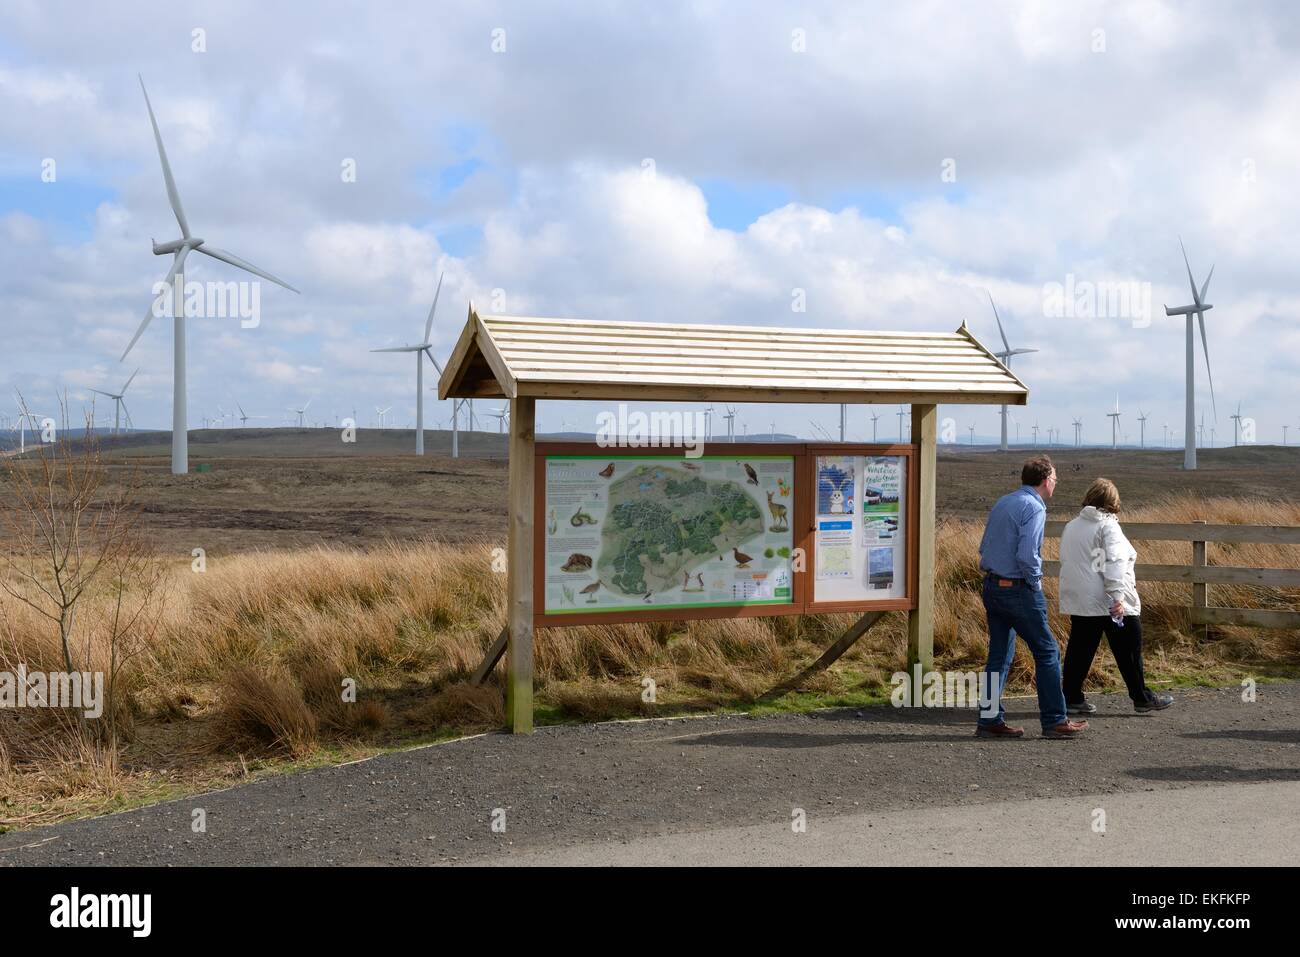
<point>1083,707</point>
<point>1156,701</point>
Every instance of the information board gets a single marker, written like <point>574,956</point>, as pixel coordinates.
<point>860,528</point>
<point>646,533</point>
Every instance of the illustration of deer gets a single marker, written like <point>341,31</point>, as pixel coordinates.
<point>779,515</point>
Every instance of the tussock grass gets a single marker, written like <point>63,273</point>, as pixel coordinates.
<point>253,657</point>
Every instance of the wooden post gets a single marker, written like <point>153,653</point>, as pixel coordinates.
<point>1200,590</point>
<point>920,621</point>
<point>519,560</point>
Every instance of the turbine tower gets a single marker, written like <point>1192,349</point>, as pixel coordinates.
<point>1114,424</point>
<point>1198,308</point>
<point>1236,424</point>
<point>1005,357</point>
<point>730,416</point>
<point>1078,430</point>
<point>1142,423</point>
<point>179,250</point>
<point>425,348</point>
<point>875,417</point>
<point>119,403</point>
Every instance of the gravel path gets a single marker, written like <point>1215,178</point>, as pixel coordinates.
<point>563,789</point>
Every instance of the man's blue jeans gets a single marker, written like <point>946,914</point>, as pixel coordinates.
<point>1020,610</point>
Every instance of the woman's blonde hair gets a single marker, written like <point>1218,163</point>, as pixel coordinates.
<point>1102,495</point>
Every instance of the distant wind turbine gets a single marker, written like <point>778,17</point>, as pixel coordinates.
<point>1114,424</point>
<point>424,348</point>
<point>875,417</point>
<point>244,416</point>
<point>301,413</point>
<point>381,413</point>
<point>1142,422</point>
<point>1236,424</point>
<point>1078,431</point>
<point>1005,355</point>
<point>179,250</point>
<point>1198,308</point>
<point>119,403</point>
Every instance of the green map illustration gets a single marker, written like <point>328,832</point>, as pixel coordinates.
<point>663,522</point>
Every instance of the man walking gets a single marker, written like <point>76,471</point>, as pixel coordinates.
<point>1013,600</point>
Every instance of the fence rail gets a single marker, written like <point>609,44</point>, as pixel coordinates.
<point>1201,575</point>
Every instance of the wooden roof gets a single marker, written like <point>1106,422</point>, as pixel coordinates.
<point>512,356</point>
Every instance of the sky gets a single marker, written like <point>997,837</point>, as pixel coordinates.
<point>687,162</point>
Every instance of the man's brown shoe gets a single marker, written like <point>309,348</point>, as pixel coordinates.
<point>1066,729</point>
<point>1002,730</point>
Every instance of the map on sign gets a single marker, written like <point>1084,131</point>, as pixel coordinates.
<point>645,532</point>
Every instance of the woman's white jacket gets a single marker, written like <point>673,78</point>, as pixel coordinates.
<point>1097,563</point>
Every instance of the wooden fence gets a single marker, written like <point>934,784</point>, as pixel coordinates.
<point>1201,575</point>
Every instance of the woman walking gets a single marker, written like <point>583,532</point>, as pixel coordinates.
<point>1099,593</point>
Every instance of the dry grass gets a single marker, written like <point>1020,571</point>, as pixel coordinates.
<point>253,657</point>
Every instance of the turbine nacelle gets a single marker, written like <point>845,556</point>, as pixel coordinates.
<point>175,246</point>
<point>1188,310</point>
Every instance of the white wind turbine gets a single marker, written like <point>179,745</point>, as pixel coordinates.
<point>301,413</point>
<point>1198,308</point>
<point>244,416</point>
<point>381,413</point>
<point>1078,430</point>
<point>875,417</point>
<point>25,416</point>
<point>1114,424</point>
<point>179,249</point>
<point>119,403</point>
<point>1236,424</point>
<point>502,415</point>
<point>424,348</point>
<point>730,416</point>
<point>1005,356</point>
<point>1142,422</point>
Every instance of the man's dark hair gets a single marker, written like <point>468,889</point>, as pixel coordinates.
<point>1035,471</point>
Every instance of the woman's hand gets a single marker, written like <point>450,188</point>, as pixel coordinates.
<point>1117,610</point>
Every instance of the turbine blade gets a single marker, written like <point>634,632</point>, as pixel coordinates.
<point>1207,284</point>
<point>1006,345</point>
<point>129,381</point>
<point>1205,346</point>
<point>234,260</point>
<point>99,392</point>
<point>400,349</point>
<point>172,195</point>
<point>1190,280</point>
<point>428,323</point>
<point>429,352</point>
<point>177,263</point>
<point>126,414</point>
<point>307,406</point>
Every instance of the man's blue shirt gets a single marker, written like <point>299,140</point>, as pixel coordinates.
<point>1013,537</point>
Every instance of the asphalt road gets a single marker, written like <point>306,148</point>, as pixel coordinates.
<point>1212,780</point>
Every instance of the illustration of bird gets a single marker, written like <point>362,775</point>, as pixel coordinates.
<point>699,577</point>
<point>742,560</point>
<point>690,466</point>
<point>686,580</point>
<point>646,599</point>
<point>607,471</point>
<point>590,591</point>
<point>753,476</point>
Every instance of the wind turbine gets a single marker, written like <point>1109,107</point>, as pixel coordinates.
<point>875,417</point>
<point>244,416</point>
<point>1236,424</point>
<point>25,416</point>
<point>119,404</point>
<point>1198,308</point>
<point>972,434</point>
<point>1114,424</point>
<point>1142,423</point>
<point>502,415</point>
<point>1035,431</point>
<point>179,250</point>
<point>1200,431</point>
<point>1005,356</point>
<point>731,423</point>
<point>902,410</point>
<point>424,348</point>
<point>1078,430</point>
<point>381,413</point>
<point>300,413</point>
<point>708,422</point>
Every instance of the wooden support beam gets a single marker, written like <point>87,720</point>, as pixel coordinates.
<point>494,653</point>
<point>920,621</point>
<point>519,561</point>
<point>1200,590</point>
<point>829,656</point>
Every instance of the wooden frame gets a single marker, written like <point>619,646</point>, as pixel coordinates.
<point>803,532</point>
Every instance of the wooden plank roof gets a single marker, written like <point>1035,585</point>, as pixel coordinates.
<point>513,356</point>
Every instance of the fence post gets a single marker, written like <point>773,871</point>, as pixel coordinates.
<point>1200,590</point>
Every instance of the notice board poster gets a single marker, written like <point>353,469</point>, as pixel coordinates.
<point>645,532</point>
<point>861,530</point>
